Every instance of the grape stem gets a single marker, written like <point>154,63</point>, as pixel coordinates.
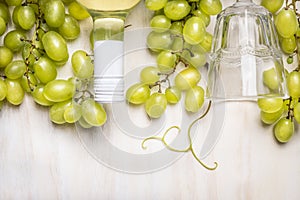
<point>190,147</point>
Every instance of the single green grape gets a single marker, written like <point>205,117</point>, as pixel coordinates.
<point>156,105</point>
<point>82,64</point>
<point>296,112</point>
<point>176,27</point>
<point>54,13</point>
<point>293,84</point>
<point>55,46</point>
<point>2,26</point>
<point>93,112</point>
<point>45,69</point>
<point>149,75</point>
<point>196,59</point>
<point>173,95</point>
<point>157,41</point>
<point>194,30</point>
<point>194,99</point>
<point>270,104</point>
<point>4,12</point>
<point>138,93</point>
<point>178,44</point>
<point>15,69</point>
<point>205,17</point>
<point>290,60</point>
<point>211,7</point>
<point>70,29</point>
<point>15,15</point>
<point>14,40</point>
<point>166,61</point>
<point>15,93</point>
<point>271,118</point>
<point>271,79</point>
<point>272,5</point>
<point>177,10</point>
<point>28,82</point>
<point>59,90</point>
<point>187,78</point>
<point>73,112</point>
<point>26,17</point>
<point>77,11</point>
<point>286,23</point>
<point>38,96</point>
<point>155,4</point>
<point>83,123</point>
<point>160,23</point>
<point>284,130</point>
<point>6,56</point>
<point>3,89</point>
<point>57,111</point>
<point>206,43</point>
<point>288,45</point>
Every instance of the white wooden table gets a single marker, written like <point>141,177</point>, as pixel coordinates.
<point>40,160</point>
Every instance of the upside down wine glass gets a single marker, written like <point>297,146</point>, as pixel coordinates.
<point>246,60</point>
<point>108,19</point>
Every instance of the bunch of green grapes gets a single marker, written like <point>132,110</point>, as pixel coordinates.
<point>34,45</point>
<point>180,40</point>
<point>284,112</point>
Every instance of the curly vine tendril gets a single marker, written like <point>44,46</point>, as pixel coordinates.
<point>190,147</point>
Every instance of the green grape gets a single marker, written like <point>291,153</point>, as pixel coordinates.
<point>39,98</point>
<point>6,56</point>
<point>57,111</point>
<point>290,60</point>
<point>205,17</point>
<point>159,41</point>
<point>196,59</point>
<point>78,11</point>
<point>138,93</point>
<point>54,13</point>
<point>15,15</point>
<point>187,78</point>
<point>194,30</point>
<point>176,27</point>
<point>293,84</point>
<point>166,61</point>
<point>14,2</point>
<point>272,5</point>
<point>45,70</point>
<point>270,104</point>
<point>93,113</point>
<point>156,105</point>
<point>288,45</point>
<point>296,112</point>
<point>83,123</point>
<point>160,23</point>
<point>149,75</point>
<point>73,113</point>
<point>59,90</point>
<point>26,17</point>
<point>177,10</point>
<point>173,95</point>
<point>70,29</point>
<point>14,40</point>
<point>194,99</point>
<point>286,23</point>
<point>2,26</point>
<point>15,69</point>
<point>3,90</point>
<point>271,118</point>
<point>28,83</point>
<point>207,42</point>
<point>271,79</point>
<point>211,7</point>
<point>155,4</point>
<point>178,44</point>
<point>4,12</point>
<point>284,130</point>
<point>55,46</point>
<point>15,93</point>
<point>82,65</point>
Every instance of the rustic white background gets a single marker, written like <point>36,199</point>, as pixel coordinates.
<point>40,160</point>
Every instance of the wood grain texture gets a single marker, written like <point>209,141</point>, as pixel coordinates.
<point>40,160</point>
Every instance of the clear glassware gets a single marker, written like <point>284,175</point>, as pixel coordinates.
<point>246,60</point>
<point>109,21</point>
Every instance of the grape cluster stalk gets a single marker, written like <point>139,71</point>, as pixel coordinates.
<point>284,113</point>
<point>35,36</point>
<point>180,41</point>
